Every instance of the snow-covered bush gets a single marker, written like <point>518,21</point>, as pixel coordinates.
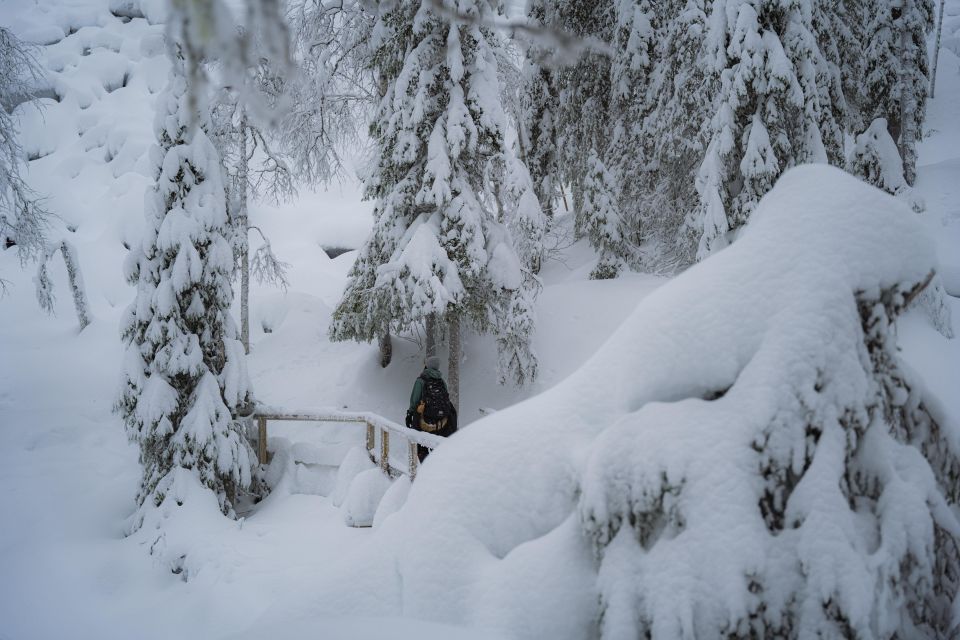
<point>875,158</point>
<point>745,457</point>
<point>184,376</point>
<point>600,220</point>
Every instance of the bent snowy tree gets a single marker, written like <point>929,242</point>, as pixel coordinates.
<point>746,457</point>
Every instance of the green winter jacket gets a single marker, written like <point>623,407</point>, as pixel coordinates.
<point>418,387</point>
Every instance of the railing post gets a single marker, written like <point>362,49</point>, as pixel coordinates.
<point>385,451</point>
<point>371,438</point>
<point>262,439</point>
<point>412,459</point>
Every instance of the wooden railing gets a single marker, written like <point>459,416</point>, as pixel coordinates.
<point>379,431</point>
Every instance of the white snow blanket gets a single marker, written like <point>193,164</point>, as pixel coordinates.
<point>632,488</point>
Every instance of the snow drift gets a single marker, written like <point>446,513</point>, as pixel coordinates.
<point>744,456</point>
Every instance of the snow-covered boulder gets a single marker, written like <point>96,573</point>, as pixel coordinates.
<point>745,455</point>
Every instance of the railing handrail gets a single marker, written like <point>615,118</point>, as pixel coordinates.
<point>326,414</point>
<point>263,413</point>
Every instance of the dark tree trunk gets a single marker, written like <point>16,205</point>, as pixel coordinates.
<point>453,373</point>
<point>386,348</point>
<point>431,329</point>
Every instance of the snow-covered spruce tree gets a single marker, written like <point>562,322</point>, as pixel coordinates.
<point>627,159</point>
<point>23,219</point>
<point>828,458</point>
<point>437,128</point>
<point>897,72</point>
<point>852,529</point>
<point>600,219</point>
<point>780,103</point>
<point>514,318</point>
<point>540,108</point>
<point>184,376</point>
<point>662,94</point>
<point>362,315</point>
<point>512,311</point>
<point>523,213</point>
<point>674,133</point>
<point>583,122</point>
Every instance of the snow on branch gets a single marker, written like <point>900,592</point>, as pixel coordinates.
<point>566,47</point>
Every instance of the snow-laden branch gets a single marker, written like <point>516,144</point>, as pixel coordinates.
<point>565,47</point>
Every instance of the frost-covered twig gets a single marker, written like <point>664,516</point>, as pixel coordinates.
<point>24,221</point>
<point>335,91</point>
<point>203,31</point>
<point>266,267</point>
<point>44,286</point>
<point>565,47</point>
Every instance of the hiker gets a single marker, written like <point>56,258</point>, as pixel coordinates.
<point>430,408</point>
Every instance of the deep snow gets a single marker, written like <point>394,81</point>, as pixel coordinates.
<point>69,475</point>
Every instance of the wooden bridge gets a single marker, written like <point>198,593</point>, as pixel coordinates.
<point>382,434</point>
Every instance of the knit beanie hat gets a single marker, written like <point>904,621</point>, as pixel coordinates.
<point>432,362</point>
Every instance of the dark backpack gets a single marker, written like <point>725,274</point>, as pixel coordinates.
<point>434,404</point>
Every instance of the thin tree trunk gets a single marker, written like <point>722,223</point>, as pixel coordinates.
<point>386,348</point>
<point>431,334</point>
<point>908,104</point>
<point>76,283</point>
<point>936,51</point>
<point>243,228</point>
<point>453,367</point>
<point>384,342</point>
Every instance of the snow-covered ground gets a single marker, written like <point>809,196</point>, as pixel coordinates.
<point>69,476</point>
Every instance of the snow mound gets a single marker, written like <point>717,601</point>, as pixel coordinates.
<point>365,493</point>
<point>392,500</point>
<point>744,455</point>
<point>356,462</point>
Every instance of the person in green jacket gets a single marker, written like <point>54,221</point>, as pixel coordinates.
<point>430,409</point>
